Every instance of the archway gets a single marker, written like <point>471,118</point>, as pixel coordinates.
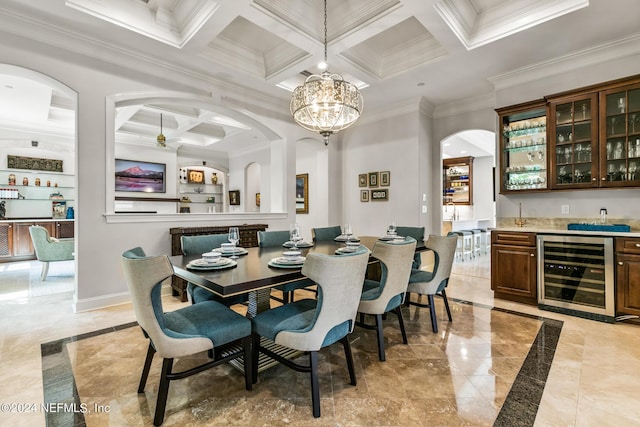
<point>479,212</point>
<point>38,115</point>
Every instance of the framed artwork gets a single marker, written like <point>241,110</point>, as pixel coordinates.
<point>364,195</point>
<point>302,193</point>
<point>385,179</point>
<point>373,179</point>
<point>195,176</point>
<point>234,197</point>
<point>380,195</point>
<point>362,180</point>
<point>257,199</point>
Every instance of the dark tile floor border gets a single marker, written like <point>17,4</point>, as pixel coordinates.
<point>519,408</point>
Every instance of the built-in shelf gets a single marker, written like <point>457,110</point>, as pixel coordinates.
<point>146,199</point>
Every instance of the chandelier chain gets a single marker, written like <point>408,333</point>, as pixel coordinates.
<point>325,31</point>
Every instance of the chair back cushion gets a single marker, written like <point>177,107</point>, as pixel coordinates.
<point>325,234</point>
<point>268,239</point>
<point>48,249</point>
<point>395,262</point>
<point>444,248</point>
<point>144,276</point>
<point>339,280</point>
<point>418,234</point>
<point>196,245</point>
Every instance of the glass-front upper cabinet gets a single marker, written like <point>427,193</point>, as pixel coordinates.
<point>620,136</point>
<point>523,148</point>
<point>573,145</point>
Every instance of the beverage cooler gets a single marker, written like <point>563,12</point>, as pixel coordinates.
<point>575,276</point>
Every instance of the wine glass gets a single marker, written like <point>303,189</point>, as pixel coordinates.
<point>234,237</point>
<point>347,232</point>
<point>294,235</point>
<point>391,229</point>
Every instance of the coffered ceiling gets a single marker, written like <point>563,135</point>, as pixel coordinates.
<point>443,51</point>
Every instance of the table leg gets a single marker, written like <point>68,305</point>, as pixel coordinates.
<point>259,301</point>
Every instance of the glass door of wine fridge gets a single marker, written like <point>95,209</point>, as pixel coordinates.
<point>575,275</point>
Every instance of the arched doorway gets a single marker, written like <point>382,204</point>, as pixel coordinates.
<point>479,212</point>
<point>38,149</point>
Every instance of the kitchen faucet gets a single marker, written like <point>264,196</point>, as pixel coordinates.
<point>455,215</point>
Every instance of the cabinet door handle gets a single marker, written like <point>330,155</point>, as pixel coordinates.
<point>532,254</point>
<point>637,245</point>
<point>620,263</point>
<point>593,179</point>
<point>604,179</point>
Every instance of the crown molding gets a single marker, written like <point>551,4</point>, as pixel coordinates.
<point>468,105</point>
<point>627,46</point>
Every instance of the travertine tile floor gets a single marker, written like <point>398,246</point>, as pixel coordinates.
<point>485,361</point>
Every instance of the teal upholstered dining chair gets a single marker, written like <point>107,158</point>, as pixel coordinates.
<point>270,239</point>
<point>205,327</point>
<point>49,249</point>
<point>387,294</point>
<point>325,234</point>
<point>197,245</point>
<point>312,324</point>
<point>431,283</point>
<point>418,234</point>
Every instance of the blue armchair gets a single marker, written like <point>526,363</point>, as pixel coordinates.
<point>49,249</point>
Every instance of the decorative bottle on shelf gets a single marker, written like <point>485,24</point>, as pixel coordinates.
<point>12,179</point>
<point>214,178</point>
<point>25,181</point>
<point>37,182</point>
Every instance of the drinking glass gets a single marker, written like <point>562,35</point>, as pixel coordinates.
<point>346,230</point>
<point>234,237</point>
<point>391,229</point>
<point>294,235</point>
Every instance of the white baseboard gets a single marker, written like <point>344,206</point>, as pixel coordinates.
<point>95,303</point>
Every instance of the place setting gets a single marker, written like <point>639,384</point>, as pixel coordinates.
<point>347,235</point>
<point>211,261</point>
<point>295,238</point>
<point>230,249</point>
<point>289,259</point>
<point>349,247</point>
<point>392,235</point>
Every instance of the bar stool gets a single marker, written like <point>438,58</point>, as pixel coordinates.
<point>477,241</point>
<point>458,253</point>
<point>467,244</point>
<point>487,242</point>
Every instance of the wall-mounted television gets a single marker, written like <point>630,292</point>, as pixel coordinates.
<point>138,176</point>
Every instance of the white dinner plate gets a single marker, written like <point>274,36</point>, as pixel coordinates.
<point>201,264</point>
<point>236,251</point>
<point>300,245</point>
<point>281,262</point>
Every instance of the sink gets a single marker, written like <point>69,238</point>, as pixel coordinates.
<point>600,227</point>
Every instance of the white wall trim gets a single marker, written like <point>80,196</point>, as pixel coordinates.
<point>88,304</point>
<point>578,60</point>
<point>477,103</point>
<point>194,217</point>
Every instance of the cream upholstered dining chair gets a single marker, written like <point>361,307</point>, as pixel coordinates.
<point>387,294</point>
<point>418,234</point>
<point>197,245</point>
<point>204,327</point>
<point>434,282</point>
<point>312,324</point>
<point>270,239</point>
<point>325,234</point>
<point>49,249</point>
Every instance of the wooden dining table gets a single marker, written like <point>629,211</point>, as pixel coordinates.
<point>252,275</point>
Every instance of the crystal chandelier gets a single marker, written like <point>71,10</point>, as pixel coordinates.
<point>160,139</point>
<point>326,103</point>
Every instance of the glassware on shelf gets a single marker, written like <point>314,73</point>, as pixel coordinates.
<point>617,154</point>
<point>578,153</point>
<point>609,150</point>
<point>632,171</point>
<point>621,105</point>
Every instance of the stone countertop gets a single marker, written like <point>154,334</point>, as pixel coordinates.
<point>548,230</point>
